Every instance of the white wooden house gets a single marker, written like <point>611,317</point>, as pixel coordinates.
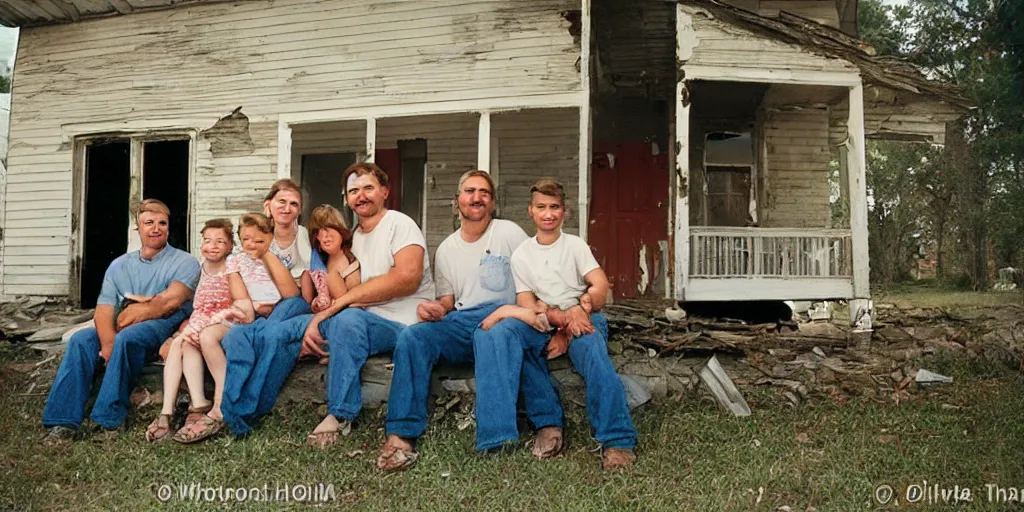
<point>715,152</point>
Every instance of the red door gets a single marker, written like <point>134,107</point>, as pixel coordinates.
<point>629,216</point>
<point>389,161</point>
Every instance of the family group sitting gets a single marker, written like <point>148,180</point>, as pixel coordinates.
<point>499,299</point>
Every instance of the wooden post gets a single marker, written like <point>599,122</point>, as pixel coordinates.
<point>483,142</point>
<point>681,226</point>
<point>371,138</point>
<point>284,150</point>
<point>860,306</point>
<point>584,131</point>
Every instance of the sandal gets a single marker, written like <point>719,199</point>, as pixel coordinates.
<point>210,428</point>
<point>547,443</point>
<point>393,459</point>
<point>159,429</point>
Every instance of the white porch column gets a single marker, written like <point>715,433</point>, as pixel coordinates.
<point>483,142</point>
<point>680,227</point>
<point>284,150</point>
<point>860,305</point>
<point>584,145</point>
<point>371,138</point>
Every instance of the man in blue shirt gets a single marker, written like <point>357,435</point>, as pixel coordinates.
<point>123,338</point>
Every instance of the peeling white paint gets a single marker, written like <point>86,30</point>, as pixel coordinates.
<point>645,273</point>
<point>686,37</point>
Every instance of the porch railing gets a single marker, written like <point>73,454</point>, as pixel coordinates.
<point>770,252</point>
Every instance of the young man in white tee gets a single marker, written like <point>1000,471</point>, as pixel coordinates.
<point>557,273</point>
<point>367,319</point>
<point>474,278</point>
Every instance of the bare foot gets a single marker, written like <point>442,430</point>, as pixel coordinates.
<point>547,443</point>
<point>396,454</point>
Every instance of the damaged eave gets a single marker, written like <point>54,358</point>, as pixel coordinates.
<point>822,40</point>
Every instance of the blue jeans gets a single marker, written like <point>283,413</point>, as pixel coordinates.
<point>133,346</point>
<point>419,348</point>
<point>353,335</point>
<point>607,410</point>
<point>510,362</point>
<point>260,356</point>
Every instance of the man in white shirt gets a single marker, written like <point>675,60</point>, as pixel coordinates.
<point>556,272</point>
<point>474,278</point>
<point>395,277</point>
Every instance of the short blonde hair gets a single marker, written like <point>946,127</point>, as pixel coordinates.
<point>255,220</point>
<point>221,224</point>
<point>152,206</point>
<point>549,187</point>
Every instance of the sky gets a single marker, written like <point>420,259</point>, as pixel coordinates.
<point>8,44</point>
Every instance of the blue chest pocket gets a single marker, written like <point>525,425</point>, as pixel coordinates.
<point>495,273</point>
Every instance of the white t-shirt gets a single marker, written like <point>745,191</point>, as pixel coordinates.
<point>376,254</point>
<point>297,255</point>
<point>554,273</point>
<point>481,271</point>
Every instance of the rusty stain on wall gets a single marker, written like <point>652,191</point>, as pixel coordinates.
<point>230,135</point>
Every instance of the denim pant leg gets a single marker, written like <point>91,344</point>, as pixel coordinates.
<point>540,398</point>
<point>419,348</point>
<point>285,340</point>
<point>502,362</point>
<point>606,399</point>
<point>73,383</point>
<point>241,350</point>
<point>133,346</point>
<point>353,336</point>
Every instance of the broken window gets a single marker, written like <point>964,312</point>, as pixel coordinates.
<point>119,172</point>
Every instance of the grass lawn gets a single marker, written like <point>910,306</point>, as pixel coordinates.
<point>824,454</point>
<point>928,294</point>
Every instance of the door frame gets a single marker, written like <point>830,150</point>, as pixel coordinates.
<point>80,143</point>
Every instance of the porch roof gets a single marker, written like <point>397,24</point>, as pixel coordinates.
<point>32,13</point>
<point>816,38</point>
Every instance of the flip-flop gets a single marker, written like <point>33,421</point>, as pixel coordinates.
<point>393,459</point>
<point>153,434</point>
<point>211,427</point>
<point>547,443</point>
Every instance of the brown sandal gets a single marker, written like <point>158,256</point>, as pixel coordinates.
<point>547,443</point>
<point>327,438</point>
<point>159,429</point>
<point>616,458</point>
<point>211,427</point>
<point>393,459</point>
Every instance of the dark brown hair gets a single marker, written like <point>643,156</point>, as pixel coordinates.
<point>362,169</point>
<point>327,216</point>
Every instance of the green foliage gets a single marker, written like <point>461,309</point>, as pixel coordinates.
<point>972,197</point>
<point>5,83</point>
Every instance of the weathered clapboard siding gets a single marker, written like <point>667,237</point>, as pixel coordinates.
<point>797,169</point>
<point>714,43</point>
<point>534,144</point>
<point>187,67</point>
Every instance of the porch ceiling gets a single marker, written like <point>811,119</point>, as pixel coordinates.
<point>879,71</point>
<point>33,13</point>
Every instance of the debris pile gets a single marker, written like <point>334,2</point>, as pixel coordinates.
<point>38,319</point>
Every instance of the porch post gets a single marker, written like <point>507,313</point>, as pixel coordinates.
<point>483,143</point>
<point>681,225</point>
<point>284,150</point>
<point>583,187</point>
<point>371,138</point>
<point>860,305</point>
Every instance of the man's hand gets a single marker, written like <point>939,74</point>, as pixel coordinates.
<point>431,311</point>
<point>132,315</point>
<point>587,303</point>
<point>579,322</point>
<point>312,341</point>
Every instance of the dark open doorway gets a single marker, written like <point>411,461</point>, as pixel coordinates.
<point>107,183</point>
<point>165,173</point>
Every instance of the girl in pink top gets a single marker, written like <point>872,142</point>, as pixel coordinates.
<point>211,305</point>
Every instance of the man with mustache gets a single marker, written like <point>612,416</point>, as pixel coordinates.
<point>395,277</point>
<point>474,278</point>
<point>123,338</point>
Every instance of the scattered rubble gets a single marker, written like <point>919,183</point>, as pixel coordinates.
<point>38,319</point>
